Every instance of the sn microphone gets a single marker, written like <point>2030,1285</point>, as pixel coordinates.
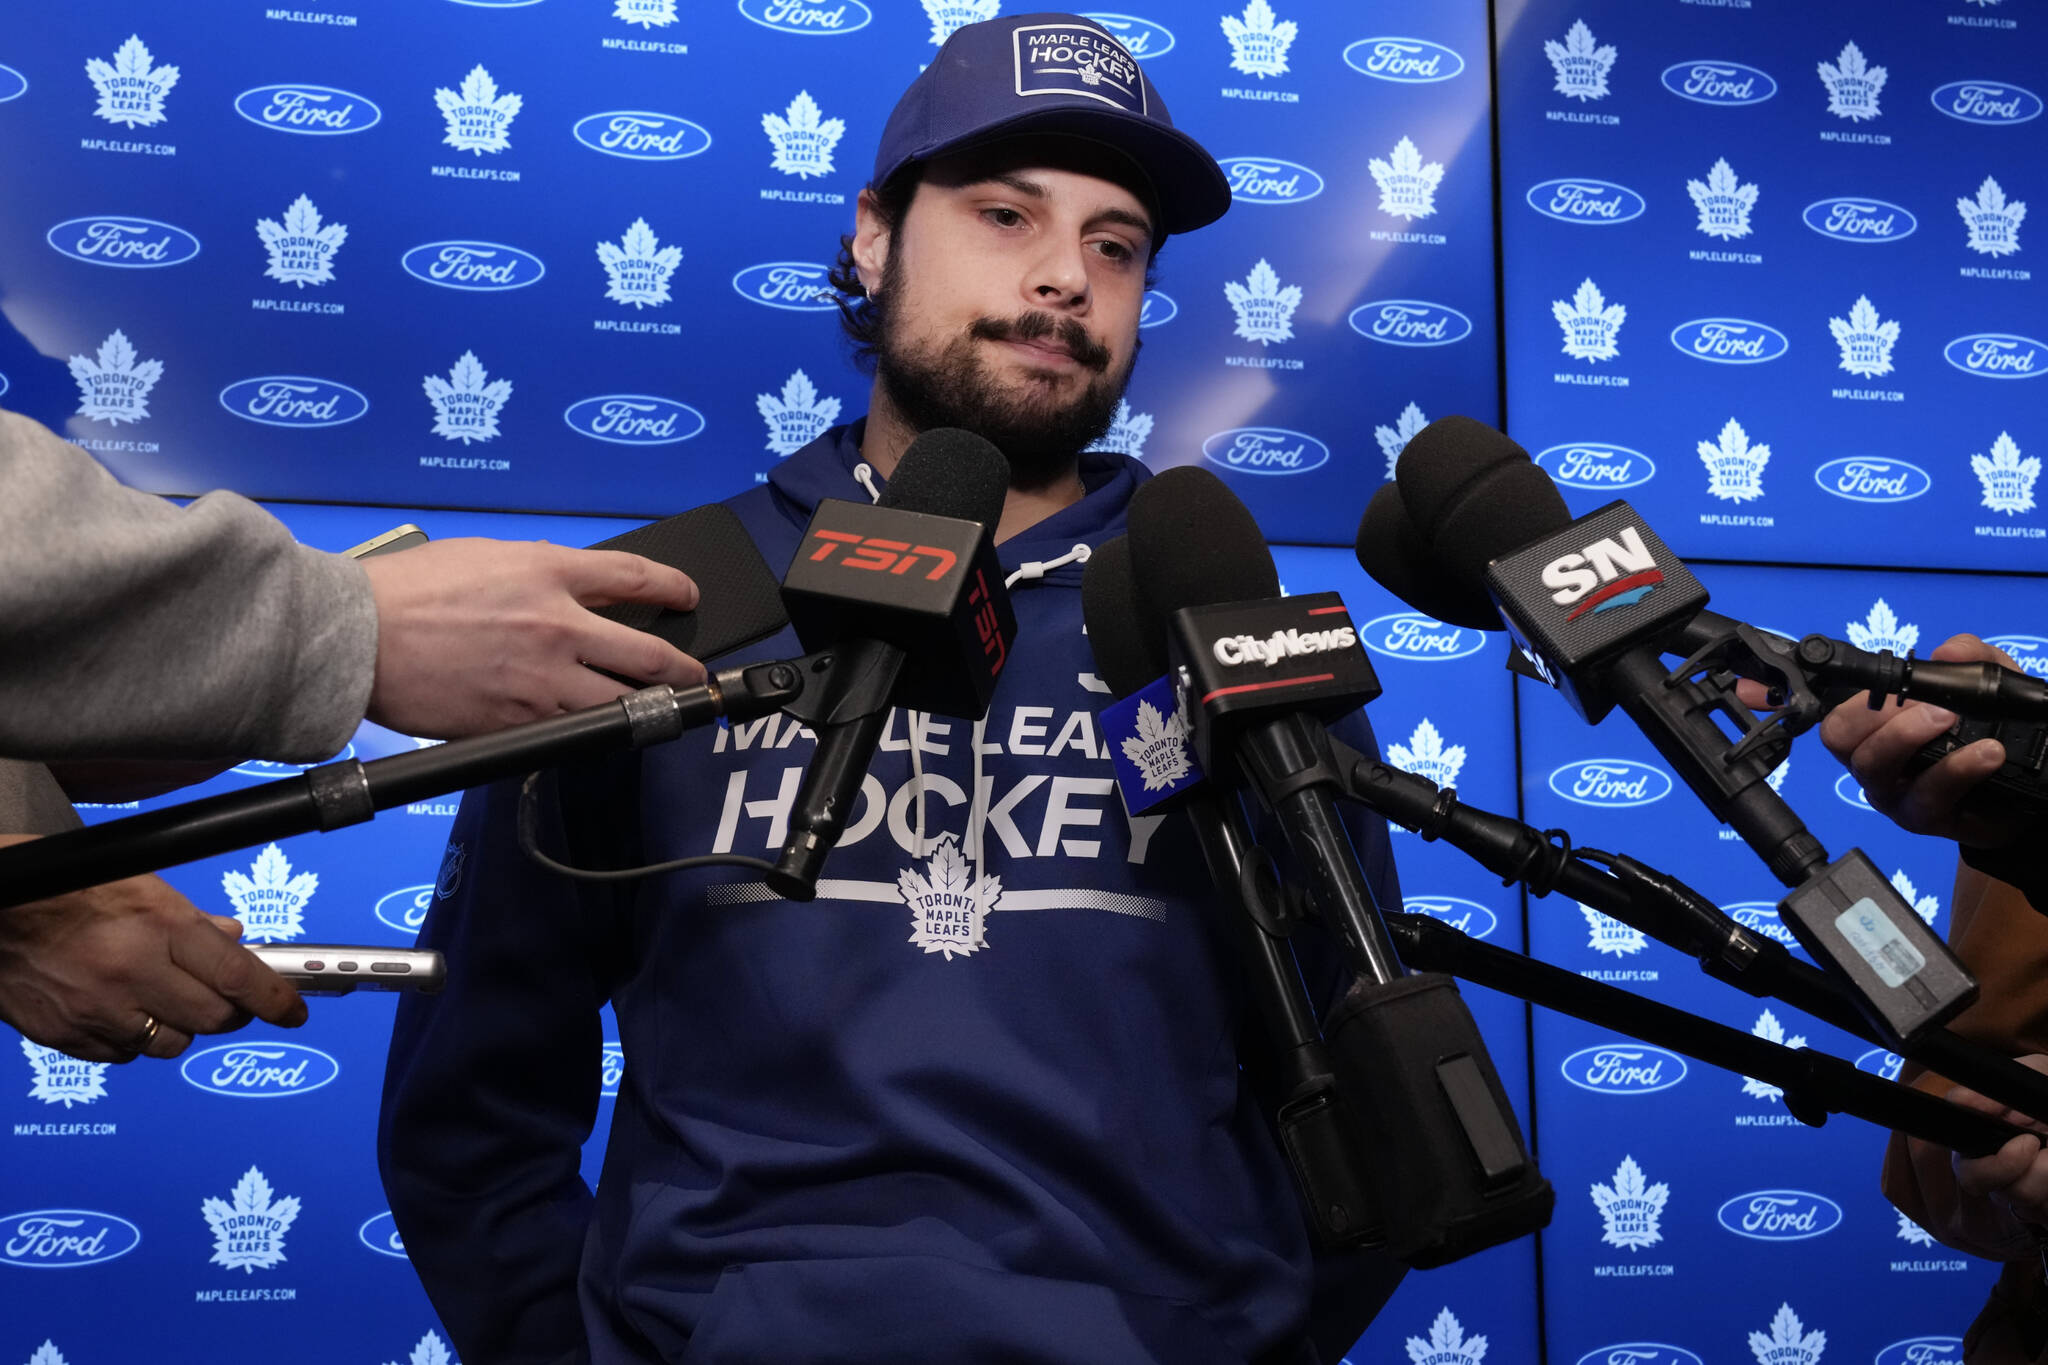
<point>875,589</point>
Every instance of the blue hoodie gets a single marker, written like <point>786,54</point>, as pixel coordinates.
<point>978,1102</point>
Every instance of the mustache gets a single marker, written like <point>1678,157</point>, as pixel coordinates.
<point>1034,325</point>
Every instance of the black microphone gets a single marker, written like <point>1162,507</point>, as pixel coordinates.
<point>874,586</point>
<point>1262,676</point>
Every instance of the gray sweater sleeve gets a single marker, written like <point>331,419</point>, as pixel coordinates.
<point>131,627</point>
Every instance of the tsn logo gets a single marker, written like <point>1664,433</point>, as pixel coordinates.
<point>884,556</point>
<point>988,627</point>
<point>1614,571</point>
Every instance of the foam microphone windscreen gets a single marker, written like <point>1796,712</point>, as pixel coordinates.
<point>1394,553</point>
<point>1193,544</point>
<point>1129,647</point>
<point>1473,496</point>
<point>739,596</point>
<point>947,472</point>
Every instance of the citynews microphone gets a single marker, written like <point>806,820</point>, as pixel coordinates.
<point>1447,1160</point>
<point>904,605</point>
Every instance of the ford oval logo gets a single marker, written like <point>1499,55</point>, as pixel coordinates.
<point>314,110</point>
<point>1864,478</point>
<point>1623,1069</point>
<point>1709,82</point>
<point>1729,341</point>
<point>293,400</point>
<point>1761,917</point>
<point>268,768</point>
<point>634,419</point>
<point>1410,322</point>
<point>1846,788</point>
<point>259,1071</point>
<point>797,286</point>
<point>1612,782</point>
<point>1467,917</point>
<point>814,18</point>
<point>1997,355</point>
<point>1141,37</point>
<point>1595,203</point>
<point>1881,1062</point>
<point>641,135</point>
<point>380,1234</point>
<point>1922,1351</point>
<point>1859,220</point>
<point>612,1068</point>
<point>1265,450</point>
<point>64,1239</point>
<point>479,266</point>
<point>1411,635</point>
<point>13,85</point>
<point>1406,61</point>
<point>1596,466</point>
<point>3,385</point>
<point>1639,1353</point>
<point>2030,652</point>
<point>1157,309</point>
<point>1987,102</point>
<point>1269,180</point>
<point>406,908</point>
<point>1779,1215</point>
<point>127,243</point>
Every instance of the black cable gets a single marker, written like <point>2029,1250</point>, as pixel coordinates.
<point>529,843</point>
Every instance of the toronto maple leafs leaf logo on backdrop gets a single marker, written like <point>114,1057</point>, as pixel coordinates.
<point>1770,1030</point>
<point>1580,62</point>
<point>1853,84</point>
<point>1127,433</point>
<point>1590,323</point>
<point>798,417</point>
<point>1394,439</point>
<point>1259,41</point>
<point>47,1354</point>
<point>1723,201</point>
<point>1926,907</point>
<point>1776,777</point>
<point>63,1079</point>
<point>1608,935</point>
<point>1159,750</point>
<point>1735,466</point>
<point>479,118</point>
<point>467,402</point>
<point>949,908</point>
<point>301,248</point>
<point>1882,629</point>
<point>114,386</point>
<point>1993,220</point>
<point>1426,755</point>
<point>1866,340</point>
<point>638,267</point>
<point>803,138</point>
<point>1913,1234</point>
<point>429,1350</point>
<point>1788,1343</point>
<point>131,89</point>
<point>270,902</point>
<point>1447,1344</point>
<point>2007,479</point>
<point>1407,184</point>
<point>1265,311</point>
<point>1631,1207</point>
<point>649,14</point>
<point>947,16</point>
<point>248,1234</point>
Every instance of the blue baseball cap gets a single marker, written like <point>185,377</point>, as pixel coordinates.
<point>1058,74</point>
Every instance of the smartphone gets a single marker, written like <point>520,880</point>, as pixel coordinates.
<point>397,538</point>
<point>338,968</point>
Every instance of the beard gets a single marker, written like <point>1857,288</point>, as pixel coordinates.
<point>949,385</point>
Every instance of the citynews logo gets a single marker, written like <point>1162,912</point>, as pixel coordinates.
<point>1282,645</point>
<point>1612,572</point>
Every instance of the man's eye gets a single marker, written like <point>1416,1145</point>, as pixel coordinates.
<point>1005,217</point>
<point>1115,250</point>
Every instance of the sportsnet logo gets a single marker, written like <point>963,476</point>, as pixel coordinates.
<point>1611,573</point>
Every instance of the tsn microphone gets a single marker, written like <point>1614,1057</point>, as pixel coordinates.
<point>872,588</point>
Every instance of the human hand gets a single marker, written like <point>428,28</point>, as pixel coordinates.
<point>474,635</point>
<point>86,972</point>
<point>1876,745</point>
<point>1999,1193</point>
